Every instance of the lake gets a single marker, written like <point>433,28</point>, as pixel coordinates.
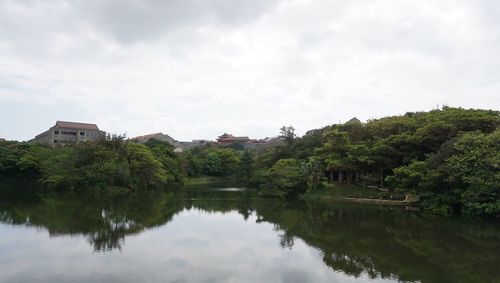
<point>203,234</point>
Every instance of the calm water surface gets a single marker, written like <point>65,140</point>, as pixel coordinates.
<point>231,235</point>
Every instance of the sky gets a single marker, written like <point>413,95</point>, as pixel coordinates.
<point>195,69</point>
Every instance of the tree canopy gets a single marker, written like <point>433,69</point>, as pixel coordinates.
<point>449,157</point>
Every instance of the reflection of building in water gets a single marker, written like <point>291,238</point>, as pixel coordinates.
<point>69,132</point>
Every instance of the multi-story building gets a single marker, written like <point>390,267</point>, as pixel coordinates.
<point>63,133</point>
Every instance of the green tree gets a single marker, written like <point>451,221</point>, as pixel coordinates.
<point>8,156</point>
<point>246,169</point>
<point>475,165</point>
<point>144,168</point>
<point>288,133</point>
<point>213,164</point>
<point>312,170</point>
<point>164,152</point>
<point>287,176</point>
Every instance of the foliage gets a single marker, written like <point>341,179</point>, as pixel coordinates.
<point>463,175</point>
<point>288,133</point>
<point>312,171</point>
<point>145,170</point>
<point>113,162</point>
<point>164,152</point>
<point>246,169</point>
<point>448,156</point>
<point>219,161</point>
<point>287,176</point>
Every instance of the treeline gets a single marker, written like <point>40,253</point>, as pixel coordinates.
<point>111,162</point>
<point>217,161</point>
<point>450,157</point>
<point>115,162</point>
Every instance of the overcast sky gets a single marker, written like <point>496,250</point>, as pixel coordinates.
<point>199,68</point>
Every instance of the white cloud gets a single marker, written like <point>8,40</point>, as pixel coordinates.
<point>195,69</point>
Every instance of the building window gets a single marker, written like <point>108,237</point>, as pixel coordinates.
<point>56,132</point>
<point>69,133</point>
<point>82,133</point>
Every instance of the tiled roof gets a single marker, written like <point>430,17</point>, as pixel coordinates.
<point>74,125</point>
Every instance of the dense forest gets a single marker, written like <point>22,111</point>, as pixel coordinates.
<point>450,157</point>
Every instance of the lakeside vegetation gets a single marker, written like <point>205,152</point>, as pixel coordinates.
<point>450,157</point>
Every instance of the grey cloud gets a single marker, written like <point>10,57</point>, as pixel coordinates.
<point>61,29</point>
<point>183,67</point>
<point>129,20</point>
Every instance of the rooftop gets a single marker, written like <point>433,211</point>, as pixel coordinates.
<point>75,125</point>
<point>158,136</point>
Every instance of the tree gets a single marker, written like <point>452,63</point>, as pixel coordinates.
<point>334,151</point>
<point>475,166</point>
<point>246,169</point>
<point>164,152</point>
<point>230,160</point>
<point>287,176</point>
<point>144,168</point>
<point>213,164</point>
<point>8,156</point>
<point>288,133</point>
<point>312,170</point>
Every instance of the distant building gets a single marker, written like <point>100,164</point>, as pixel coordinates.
<point>251,144</point>
<point>229,139</point>
<point>2,140</point>
<point>63,133</point>
<point>195,143</point>
<point>179,146</point>
<point>267,143</point>
<point>157,136</point>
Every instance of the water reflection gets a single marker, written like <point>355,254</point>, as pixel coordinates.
<point>220,235</point>
<point>104,221</point>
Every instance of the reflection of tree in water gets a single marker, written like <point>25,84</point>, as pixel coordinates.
<point>380,242</point>
<point>351,266</point>
<point>388,243</point>
<point>286,239</point>
<point>357,240</point>
<point>114,234</point>
<point>104,221</point>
